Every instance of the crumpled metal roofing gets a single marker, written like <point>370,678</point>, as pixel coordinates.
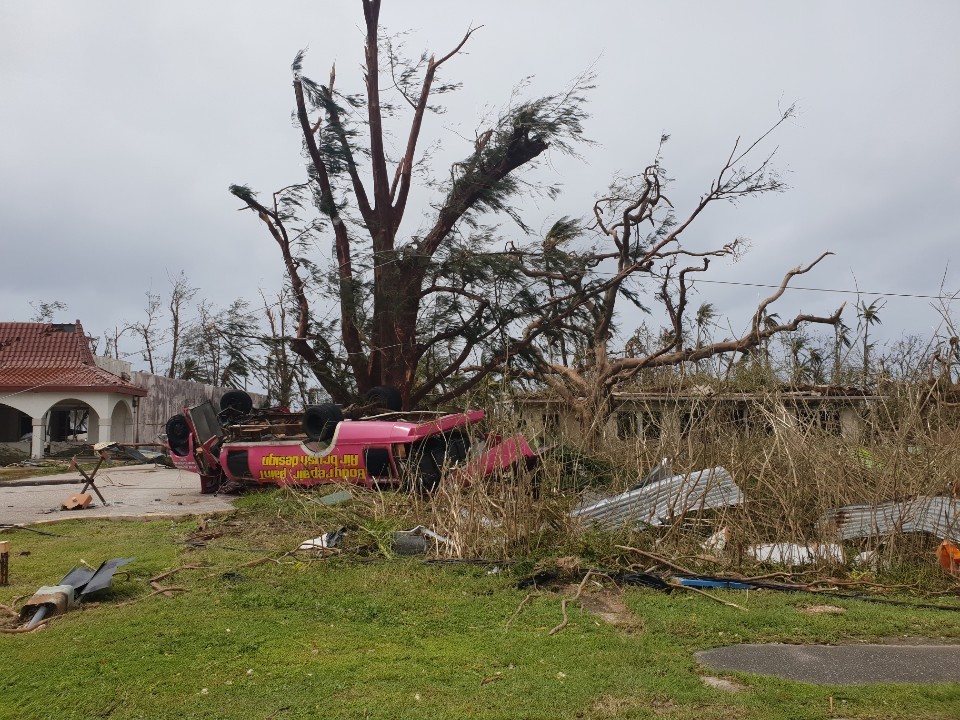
<point>939,516</point>
<point>660,502</point>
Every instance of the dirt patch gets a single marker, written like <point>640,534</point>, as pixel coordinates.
<point>609,706</point>
<point>725,684</point>
<point>823,610</point>
<point>610,607</point>
<point>13,453</point>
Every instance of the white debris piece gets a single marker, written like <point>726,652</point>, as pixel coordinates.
<point>324,542</point>
<point>793,554</point>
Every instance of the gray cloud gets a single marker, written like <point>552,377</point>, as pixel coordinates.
<point>123,123</point>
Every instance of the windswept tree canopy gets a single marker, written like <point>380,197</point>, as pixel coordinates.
<point>413,310</point>
<point>436,312</point>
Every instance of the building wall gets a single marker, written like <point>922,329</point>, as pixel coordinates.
<point>167,397</point>
<point>654,418</point>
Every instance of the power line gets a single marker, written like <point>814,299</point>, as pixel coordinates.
<point>948,298</point>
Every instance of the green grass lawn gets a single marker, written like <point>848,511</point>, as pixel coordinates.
<point>370,637</point>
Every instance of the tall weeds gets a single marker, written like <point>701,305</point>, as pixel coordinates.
<point>790,459</point>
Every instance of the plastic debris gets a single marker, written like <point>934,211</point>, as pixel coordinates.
<point>414,541</point>
<point>698,582</point>
<point>948,555</point>
<point>793,554</point>
<point>325,542</point>
<point>336,498</point>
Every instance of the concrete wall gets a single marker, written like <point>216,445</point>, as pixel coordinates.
<point>167,397</point>
<point>653,418</point>
<point>120,368</point>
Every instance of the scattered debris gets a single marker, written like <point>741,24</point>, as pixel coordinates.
<point>697,590</point>
<point>658,559</point>
<point>793,554</point>
<point>406,543</point>
<point>327,541</point>
<point>336,498</point>
<point>717,542</point>
<point>563,604</point>
<point>414,542</point>
<point>76,585</point>
<point>939,516</point>
<point>662,501</point>
<point>90,479</point>
<point>81,501</point>
<point>696,582</point>
<point>867,559</point>
<point>519,608</point>
<point>648,580</point>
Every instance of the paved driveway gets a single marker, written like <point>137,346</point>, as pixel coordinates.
<point>842,664</point>
<point>132,491</point>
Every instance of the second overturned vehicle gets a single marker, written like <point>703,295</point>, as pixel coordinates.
<point>374,445</point>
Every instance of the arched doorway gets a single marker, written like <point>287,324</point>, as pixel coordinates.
<point>14,424</point>
<point>71,420</point>
<point>121,422</point>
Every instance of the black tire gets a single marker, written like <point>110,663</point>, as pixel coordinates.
<point>236,401</point>
<point>178,435</point>
<point>386,396</point>
<point>430,457</point>
<point>320,421</point>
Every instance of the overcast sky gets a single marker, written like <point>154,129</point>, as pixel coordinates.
<point>123,123</point>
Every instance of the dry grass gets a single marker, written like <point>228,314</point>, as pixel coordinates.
<point>791,475</point>
<point>792,472</point>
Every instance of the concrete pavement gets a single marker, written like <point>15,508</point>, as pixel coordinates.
<point>841,664</point>
<point>130,491</point>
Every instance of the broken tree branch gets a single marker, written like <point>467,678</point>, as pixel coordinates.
<point>519,608</point>
<point>657,558</point>
<point>708,595</point>
<point>563,603</point>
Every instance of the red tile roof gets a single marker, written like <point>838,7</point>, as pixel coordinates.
<point>43,357</point>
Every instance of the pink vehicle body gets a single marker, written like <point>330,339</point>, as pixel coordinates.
<point>374,452</point>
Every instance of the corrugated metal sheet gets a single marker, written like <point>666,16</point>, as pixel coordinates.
<point>939,516</point>
<point>662,501</point>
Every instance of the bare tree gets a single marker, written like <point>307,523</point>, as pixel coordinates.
<point>279,369</point>
<point>181,293</point>
<point>658,255</point>
<point>146,330</point>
